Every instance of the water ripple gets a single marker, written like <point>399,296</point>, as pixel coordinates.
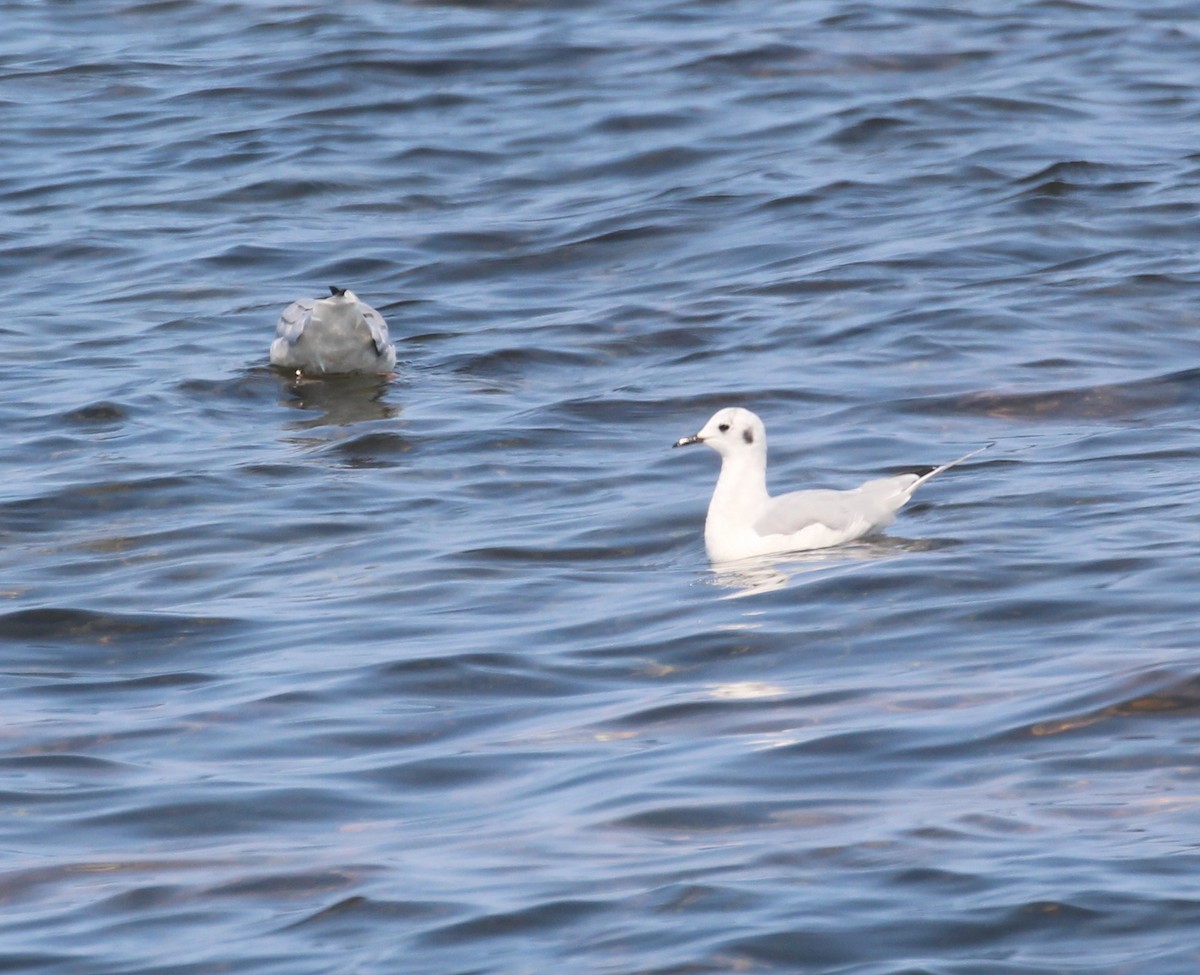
<point>427,672</point>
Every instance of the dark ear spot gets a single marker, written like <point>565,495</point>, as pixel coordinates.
<point>748,435</point>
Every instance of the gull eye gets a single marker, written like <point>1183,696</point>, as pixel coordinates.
<point>724,428</point>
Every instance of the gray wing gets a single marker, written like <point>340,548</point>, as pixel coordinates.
<point>295,319</point>
<point>874,503</point>
<point>378,327</point>
<point>788,513</point>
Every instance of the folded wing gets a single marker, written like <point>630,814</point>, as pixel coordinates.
<point>378,327</point>
<point>295,320</point>
<point>873,504</point>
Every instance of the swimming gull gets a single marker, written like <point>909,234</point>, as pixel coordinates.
<point>744,520</point>
<point>335,334</point>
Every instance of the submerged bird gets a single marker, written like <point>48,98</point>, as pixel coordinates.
<point>335,334</point>
<point>744,520</point>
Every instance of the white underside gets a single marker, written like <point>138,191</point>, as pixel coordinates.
<point>728,544</point>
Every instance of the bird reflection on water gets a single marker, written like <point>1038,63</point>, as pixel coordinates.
<point>337,400</point>
<point>753,576</point>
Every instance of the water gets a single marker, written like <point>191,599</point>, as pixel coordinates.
<point>431,675</point>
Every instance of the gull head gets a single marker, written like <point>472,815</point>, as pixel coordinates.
<point>731,432</point>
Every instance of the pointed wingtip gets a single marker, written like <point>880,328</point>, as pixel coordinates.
<point>932,472</point>
<point>924,471</point>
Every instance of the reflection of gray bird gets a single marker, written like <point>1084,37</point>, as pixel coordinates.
<point>334,334</point>
<point>744,520</point>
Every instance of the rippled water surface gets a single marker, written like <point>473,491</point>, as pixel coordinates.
<point>431,674</point>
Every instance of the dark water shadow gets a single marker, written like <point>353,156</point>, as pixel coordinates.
<point>1146,696</point>
<point>1131,400</point>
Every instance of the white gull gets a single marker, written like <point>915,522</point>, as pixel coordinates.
<point>745,521</point>
<point>331,335</point>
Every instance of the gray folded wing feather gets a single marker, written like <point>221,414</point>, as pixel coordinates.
<point>378,327</point>
<point>873,503</point>
<point>295,319</point>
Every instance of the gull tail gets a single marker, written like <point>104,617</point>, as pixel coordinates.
<point>933,472</point>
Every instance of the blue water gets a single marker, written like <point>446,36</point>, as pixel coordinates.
<point>431,674</point>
